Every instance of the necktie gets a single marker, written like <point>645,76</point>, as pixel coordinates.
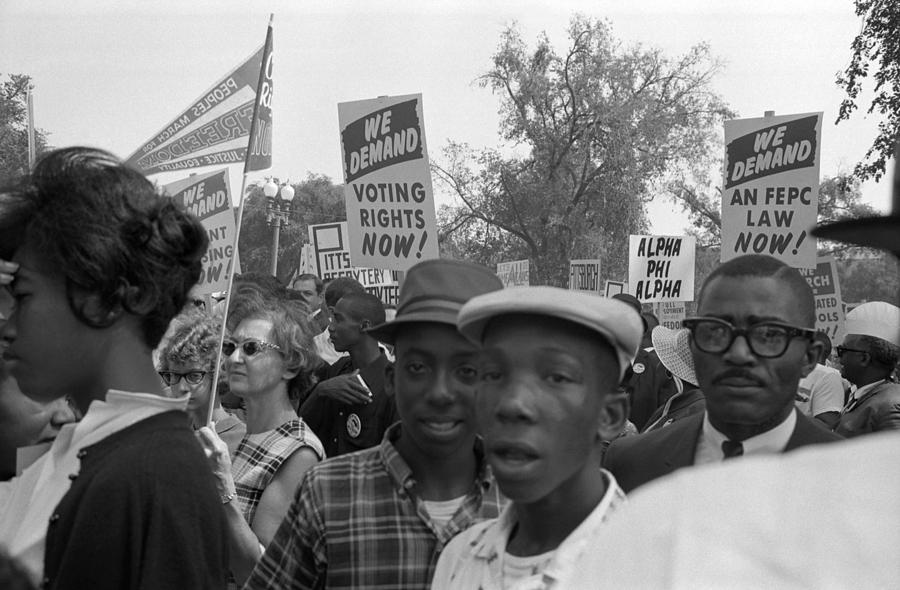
<point>732,449</point>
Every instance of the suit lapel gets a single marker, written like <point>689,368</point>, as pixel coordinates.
<point>683,442</point>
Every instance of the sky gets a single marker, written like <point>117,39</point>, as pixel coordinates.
<point>111,74</point>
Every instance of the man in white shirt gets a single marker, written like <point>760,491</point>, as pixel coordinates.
<point>547,399</point>
<point>820,394</point>
<point>751,342</point>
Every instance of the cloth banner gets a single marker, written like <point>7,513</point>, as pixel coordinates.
<point>213,130</point>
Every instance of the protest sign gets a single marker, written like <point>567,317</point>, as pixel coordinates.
<point>213,130</point>
<point>390,201</point>
<point>332,260</point>
<point>771,189</point>
<point>611,288</point>
<point>827,291</point>
<point>584,275</point>
<point>670,314</point>
<point>515,273</point>
<point>207,196</point>
<point>661,268</point>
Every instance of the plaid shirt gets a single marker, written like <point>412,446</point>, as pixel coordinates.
<point>357,522</point>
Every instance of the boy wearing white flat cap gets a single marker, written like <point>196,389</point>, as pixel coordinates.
<point>546,400</point>
<point>868,356</point>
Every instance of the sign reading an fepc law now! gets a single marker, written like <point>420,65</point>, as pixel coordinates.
<point>207,196</point>
<point>771,193</point>
<point>332,260</point>
<point>388,193</point>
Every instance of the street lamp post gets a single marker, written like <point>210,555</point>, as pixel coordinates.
<point>277,214</point>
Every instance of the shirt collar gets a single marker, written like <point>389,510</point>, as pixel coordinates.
<point>773,440</point>
<point>402,474</point>
<point>492,543</point>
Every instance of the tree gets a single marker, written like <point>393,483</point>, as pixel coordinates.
<point>14,128</point>
<point>877,49</point>
<point>316,200</point>
<point>591,128</point>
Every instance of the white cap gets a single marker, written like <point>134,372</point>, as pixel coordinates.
<point>613,320</point>
<point>877,319</point>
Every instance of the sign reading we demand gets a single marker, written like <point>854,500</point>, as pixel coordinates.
<point>771,193</point>
<point>207,197</point>
<point>388,193</point>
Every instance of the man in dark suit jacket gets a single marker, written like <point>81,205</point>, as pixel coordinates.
<point>751,342</point>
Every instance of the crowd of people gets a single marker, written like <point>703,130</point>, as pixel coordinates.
<point>475,437</point>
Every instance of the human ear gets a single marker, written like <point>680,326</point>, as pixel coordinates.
<point>613,415</point>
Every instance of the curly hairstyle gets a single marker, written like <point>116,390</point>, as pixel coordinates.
<point>121,246</point>
<point>192,337</point>
<point>291,331</point>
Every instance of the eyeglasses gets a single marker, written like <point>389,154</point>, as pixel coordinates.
<point>250,347</point>
<point>191,377</point>
<point>766,339</point>
<point>842,349</point>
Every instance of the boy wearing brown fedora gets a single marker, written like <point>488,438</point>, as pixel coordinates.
<point>379,518</point>
<point>550,366</point>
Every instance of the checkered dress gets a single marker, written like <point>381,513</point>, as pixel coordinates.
<point>259,457</point>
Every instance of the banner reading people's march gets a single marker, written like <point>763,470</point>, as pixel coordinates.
<point>207,196</point>
<point>584,275</point>
<point>332,260</point>
<point>823,279</point>
<point>771,187</point>
<point>661,268</point>
<point>213,130</point>
<point>514,274</point>
<point>390,201</point>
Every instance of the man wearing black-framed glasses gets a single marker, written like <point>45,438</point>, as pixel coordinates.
<point>752,342</point>
<point>869,355</point>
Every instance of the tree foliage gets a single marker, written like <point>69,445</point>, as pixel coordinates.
<point>875,49</point>
<point>316,200</point>
<point>14,128</point>
<point>589,129</point>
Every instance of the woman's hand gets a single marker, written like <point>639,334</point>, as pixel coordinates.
<point>219,461</point>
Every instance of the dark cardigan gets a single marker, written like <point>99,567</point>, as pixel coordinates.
<point>142,513</point>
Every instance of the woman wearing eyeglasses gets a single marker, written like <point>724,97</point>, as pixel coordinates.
<point>269,360</point>
<point>186,364</point>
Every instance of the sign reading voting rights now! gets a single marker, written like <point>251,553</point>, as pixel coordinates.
<point>390,201</point>
<point>771,187</point>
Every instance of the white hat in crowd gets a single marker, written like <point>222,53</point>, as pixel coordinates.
<point>877,319</point>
